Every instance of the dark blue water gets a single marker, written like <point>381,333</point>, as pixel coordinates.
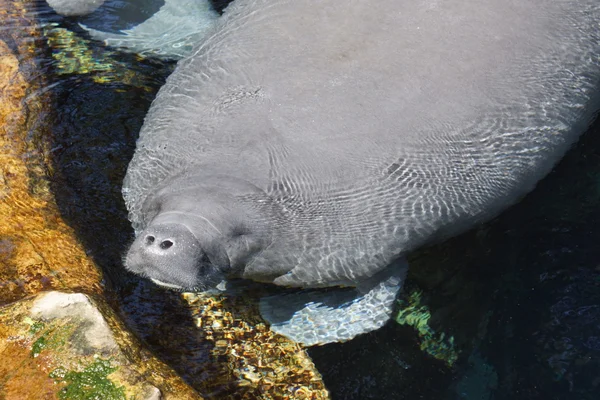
<point>519,296</point>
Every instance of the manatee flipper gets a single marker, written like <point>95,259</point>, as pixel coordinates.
<point>337,314</point>
<point>170,33</point>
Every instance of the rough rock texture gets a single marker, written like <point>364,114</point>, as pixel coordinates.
<point>222,346</point>
<point>30,219</point>
<point>60,345</point>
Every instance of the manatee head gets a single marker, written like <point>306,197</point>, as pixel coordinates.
<point>173,256</point>
<point>195,243</point>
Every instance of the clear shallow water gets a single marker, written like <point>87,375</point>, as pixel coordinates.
<point>520,295</point>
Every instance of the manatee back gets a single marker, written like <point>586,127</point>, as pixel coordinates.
<point>376,125</point>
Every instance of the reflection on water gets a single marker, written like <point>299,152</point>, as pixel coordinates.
<point>519,296</point>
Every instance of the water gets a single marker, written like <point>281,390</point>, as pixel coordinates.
<point>509,310</point>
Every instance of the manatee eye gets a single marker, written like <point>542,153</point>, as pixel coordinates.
<point>165,244</point>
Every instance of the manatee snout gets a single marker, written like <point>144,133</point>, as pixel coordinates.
<point>169,254</point>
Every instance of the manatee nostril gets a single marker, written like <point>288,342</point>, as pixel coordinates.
<point>165,244</point>
<point>149,239</point>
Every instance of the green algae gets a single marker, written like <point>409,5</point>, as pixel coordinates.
<point>34,326</point>
<point>417,315</point>
<point>90,384</point>
<point>52,337</point>
<point>74,55</point>
<point>39,345</point>
<point>71,53</point>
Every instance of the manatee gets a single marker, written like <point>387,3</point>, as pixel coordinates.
<point>312,145</point>
<point>71,8</point>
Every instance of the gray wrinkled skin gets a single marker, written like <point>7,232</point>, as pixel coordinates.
<point>313,144</point>
<point>71,8</point>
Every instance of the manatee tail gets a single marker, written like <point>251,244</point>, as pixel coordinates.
<point>338,314</point>
<point>170,33</point>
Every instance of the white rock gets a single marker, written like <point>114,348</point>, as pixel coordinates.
<point>79,308</point>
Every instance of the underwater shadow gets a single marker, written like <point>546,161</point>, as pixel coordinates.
<point>98,118</point>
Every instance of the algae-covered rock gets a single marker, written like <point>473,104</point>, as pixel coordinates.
<point>59,345</point>
<point>72,54</point>
<point>95,334</point>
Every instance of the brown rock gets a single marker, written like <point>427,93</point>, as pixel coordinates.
<point>31,220</point>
